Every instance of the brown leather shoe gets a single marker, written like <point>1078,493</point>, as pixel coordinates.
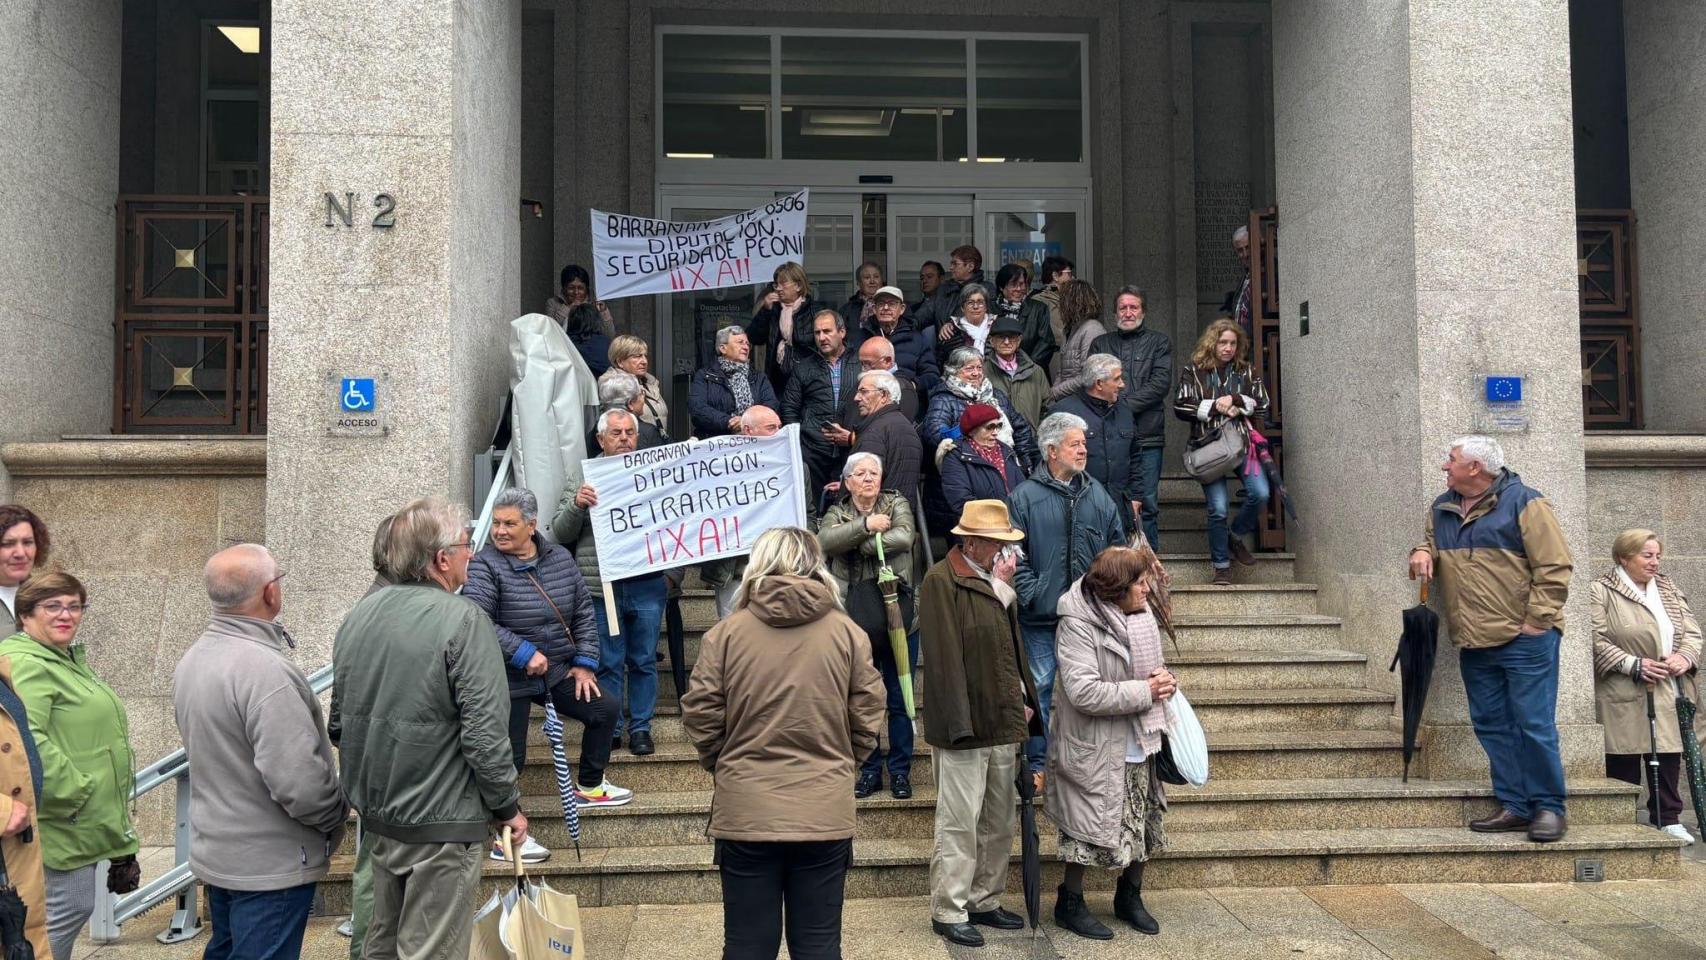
<point>1548,827</point>
<point>1240,552</point>
<point>1223,576</point>
<point>1504,822</point>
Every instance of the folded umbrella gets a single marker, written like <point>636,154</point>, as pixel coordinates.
<point>1692,765</point>
<point>565,779</point>
<point>888,584</point>
<point>1653,758</point>
<point>1417,648</point>
<point>1262,451</point>
<point>13,913</point>
<point>1160,586</point>
<point>1030,848</point>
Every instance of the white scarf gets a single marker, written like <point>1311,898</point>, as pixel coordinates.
<point>1655,606</point>
<point>978,334</point>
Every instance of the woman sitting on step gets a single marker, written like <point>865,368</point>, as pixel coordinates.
<point>1110,693</point>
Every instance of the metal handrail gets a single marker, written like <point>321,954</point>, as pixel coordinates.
<point>112,910</point>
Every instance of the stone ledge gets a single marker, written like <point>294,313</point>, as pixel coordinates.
<point>1613,450</point>
<point>138,457</point>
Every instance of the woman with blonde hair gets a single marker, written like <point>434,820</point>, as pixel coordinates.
<point>783,322</point>
<point>630,354</point>
<point>1646,642</point>
<point>1218,391</point>
<point>783,705</point>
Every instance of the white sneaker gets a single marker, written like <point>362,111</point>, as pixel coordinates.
<point>531,852</point>
<point>1680,832</point>
<point>606,794</point>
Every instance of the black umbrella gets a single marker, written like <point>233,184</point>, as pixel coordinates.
<point>1653,758</point>
<point>13,912</point>
<point>677,645</point>
<point>1691,762</point>
<point>1030,847</point>
<point>1417,648</point>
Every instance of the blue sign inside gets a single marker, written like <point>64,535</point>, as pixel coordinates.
<point>1504,389</point>
<point>1012,251</point>
<point>357,395</point>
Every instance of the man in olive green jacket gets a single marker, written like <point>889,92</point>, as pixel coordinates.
<point>423,715</point>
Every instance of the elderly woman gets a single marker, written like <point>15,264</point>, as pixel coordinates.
<point>720,393</point>
<point>630,354</point>
<point>848,532</point>
<point>586,332</point>
<point>1080,319</point>
<point>83,736</point>
<point>23,547</point>
<point>1110,689</point>
<point>1218,390</point>
<point>783,704</point>
<point>1646,642</point>
<point>574,286</point>
<point>534,593</point>
<point>964,385</point>
<point>783,322</point>
<point>969,329</point>
<point>978,466</point>
<point>862,305</point>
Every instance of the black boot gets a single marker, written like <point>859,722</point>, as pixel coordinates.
<point>1070,913</point>
<point>1128,905</point>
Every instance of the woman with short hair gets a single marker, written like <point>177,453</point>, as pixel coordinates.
<point>969,327</point>
<point>861,307</point>
<point>718,394</point>
<point>1014,300</point>
<point>964,382</point>
<point>630,354</point>
<point>1110,692</point>
<point>24,547</point>
<point>1646,642</point>
<point>574,287</point>
<point>83,736</point>
<point>783,704</point>
<point>783,323</point>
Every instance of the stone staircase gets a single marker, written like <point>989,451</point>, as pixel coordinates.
<point>1305,763</point>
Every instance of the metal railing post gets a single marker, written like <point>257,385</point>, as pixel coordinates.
<point>186,919</point>
<point>103,924</point>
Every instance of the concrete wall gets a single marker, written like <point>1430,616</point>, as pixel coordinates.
<point>135,520</point>
<point>538,277</point>
<point>1667,128</point>
<point>1655,482</point>
<point>1422,200</point>
<point>59,108</point>
<point>429,111</point>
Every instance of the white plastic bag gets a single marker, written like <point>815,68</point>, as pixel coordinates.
<point>1185,738</point>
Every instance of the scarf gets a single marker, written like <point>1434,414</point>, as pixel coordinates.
<point>992,452</point>
<point>1009,367</point>
<point>1656,606</point>
<point>1008,308</point>
<point>1139,634</point>
<point>739,385</point>
<point>785,323</point>
<point>980,393</point>
<point>978,334</point>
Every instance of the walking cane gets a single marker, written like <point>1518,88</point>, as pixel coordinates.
<point>1653,758</point>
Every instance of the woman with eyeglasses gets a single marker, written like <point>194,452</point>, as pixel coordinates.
<point>81,732</point>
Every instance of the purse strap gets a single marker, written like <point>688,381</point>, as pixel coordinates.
<point>569,634</point>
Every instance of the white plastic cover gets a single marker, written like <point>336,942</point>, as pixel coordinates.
<point>554,392</point>
<point>1185,737</point>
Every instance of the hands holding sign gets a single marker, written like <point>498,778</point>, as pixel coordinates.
<point>586,497</point>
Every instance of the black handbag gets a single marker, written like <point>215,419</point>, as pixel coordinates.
<point>1165,767</point>
<point>865,605</point>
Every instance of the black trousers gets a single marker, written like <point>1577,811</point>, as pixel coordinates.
<point>1627,767</point>
<point>761,881</point>
<point>598,714</point>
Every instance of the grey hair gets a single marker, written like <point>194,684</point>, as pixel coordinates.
<point>520,498</point>
<point>1242,233</point>
<point>418,532</point>
<point>1101,366</point>
<point>884,381</point>
<point>231,586</point>
<point>604,418</point>
<point>382,545</point>
<point>1052,431</point>
<point>785,552</point>
<point>618,388</point>
<point>974,288</point>
<point>962,356</point>
<point>727,333</point>
<point>1484,450</point>
<point>1133,290</point>
<point>857,458</point>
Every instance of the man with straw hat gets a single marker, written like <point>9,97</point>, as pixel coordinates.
<point>981,706</point>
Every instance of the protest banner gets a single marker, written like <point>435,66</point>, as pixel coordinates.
<point>636,256</point>
<point>691,502</point>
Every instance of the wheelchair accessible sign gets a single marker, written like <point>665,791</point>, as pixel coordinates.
<point>355,407</point>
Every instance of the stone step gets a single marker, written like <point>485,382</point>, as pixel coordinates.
<point>1244,599</point>
<point>1330,708</point>
<point>1193,859</point>
<point>1200,670</point>
<point>1298,631</point>
<point>673,768</point>
<point>1194,567</point>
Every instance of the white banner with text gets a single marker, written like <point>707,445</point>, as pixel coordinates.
<point>637,256</point>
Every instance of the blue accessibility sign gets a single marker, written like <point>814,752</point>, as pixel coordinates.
<point>357,395</point>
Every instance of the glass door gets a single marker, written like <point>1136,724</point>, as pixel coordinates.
<point>922,228</point>
<point>1030,230</point>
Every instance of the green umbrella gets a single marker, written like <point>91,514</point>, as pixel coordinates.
<point>1685,711</point>
<point>889,584</point>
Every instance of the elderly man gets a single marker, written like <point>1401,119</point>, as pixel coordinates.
<point>628,659</point>
<point>981,699</point>
<point>1146,356</point>
<point>876,354</point>
<point>414,665</point>
<point>724,575</point>
<point>887,432</point>
<point>1011,369</point>
<point>266,810</point>
<point>1116,459</point>
<point>819,389</point>
<point>621,390</point>
<point>911,347</point>
<point>1068,518</point>
<point>718,394</point>
<point>1237,302</point>
<point>1504,574</point>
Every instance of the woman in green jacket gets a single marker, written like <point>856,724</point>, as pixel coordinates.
<point>81,733</point>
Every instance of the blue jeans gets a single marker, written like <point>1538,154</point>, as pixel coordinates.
<point>1255,499</point>
<point>632,655</point>
<point>1039,649</point>
<point>1513,703</point>
<point>257,924</point>
<point>900,725</point>
<point>1148,482</point>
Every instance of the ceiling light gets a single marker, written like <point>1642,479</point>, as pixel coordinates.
<point>991,159</point>
<point>691,156</point>
<point>246,39</point>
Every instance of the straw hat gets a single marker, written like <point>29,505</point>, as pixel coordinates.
<point>987,518</point>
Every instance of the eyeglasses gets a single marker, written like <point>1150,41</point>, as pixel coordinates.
<point>276,579</point>
<point>55,609</point>
<point>466,543</point>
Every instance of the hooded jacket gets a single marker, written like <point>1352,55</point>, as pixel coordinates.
<point>508,590</point>
<point>1502,565</point>
<point>784,703</point>
<point>1066,525</point>
<point>266,809</point>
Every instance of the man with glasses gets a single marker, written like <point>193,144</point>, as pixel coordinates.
<point>266,810</point>
<point>911,347</point>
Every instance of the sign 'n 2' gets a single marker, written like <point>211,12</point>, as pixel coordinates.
<point>637,256</point>
<point>687,503</point>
